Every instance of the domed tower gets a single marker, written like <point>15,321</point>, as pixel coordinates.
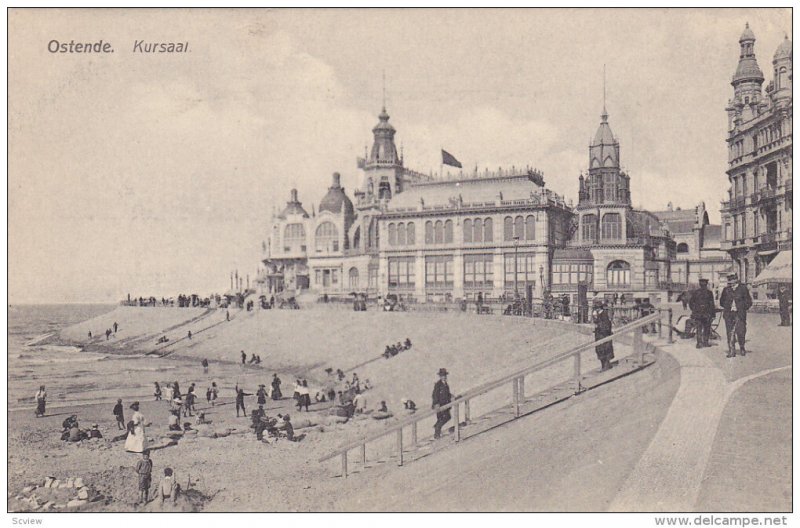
<point>782,67</point>
<point>746,81</point>
<point>337,203</point>
<point>383,168</point>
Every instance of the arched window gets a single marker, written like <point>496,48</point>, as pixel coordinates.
<point>410,234</point>
<point>357,238</point>
<point>487,230</point>
<point>448,232</point>
<point>353,276</point>
<point>478,236</point>
<point>467,230</point>
<point>401,234</point>
<point>429,232</point>
<point>612,226</point>
<point>683,247</point>
<point>508,228</point>
<point>530,228</point>
<point>588,228</point>
<point>438,232</point>
<point>392,234</point>
<point>326,237</point>
<point>519,228</point>
<point>618,273</point>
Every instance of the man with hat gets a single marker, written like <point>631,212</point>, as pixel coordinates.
<point>441,396</point>
<point>735,301</point>
<point>702,305</point>
<point>602,329</point>
<point>785,304</point>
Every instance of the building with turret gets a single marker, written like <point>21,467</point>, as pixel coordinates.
<point>614,248</point>
<point>757,216</point>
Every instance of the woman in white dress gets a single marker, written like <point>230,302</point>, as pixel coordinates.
<point>136,441</point>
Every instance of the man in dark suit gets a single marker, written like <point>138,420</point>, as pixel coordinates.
<point>735,301</point>
<point>702,305</point>
<point>785,304</point>
<point>441,396</point>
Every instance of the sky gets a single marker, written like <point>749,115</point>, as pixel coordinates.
<point>156,174</point>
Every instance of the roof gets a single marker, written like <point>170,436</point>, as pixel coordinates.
<point>777,271</point>
<point>748,69</point>
<point>784,50</point>
<point>747,34</point>
<point>293,207</point>
<point>444,192</point>
<point>336,201</point>
<point>644,223</point>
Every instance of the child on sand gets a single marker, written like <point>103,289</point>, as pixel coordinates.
<point>120,414</point>
<point>214,393</point>
<point>168,488</point>
<point>144,468</point>
<point>157,391</point>
<point>41,400</point>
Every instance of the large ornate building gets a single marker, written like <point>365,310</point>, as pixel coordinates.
<point>757,217</point>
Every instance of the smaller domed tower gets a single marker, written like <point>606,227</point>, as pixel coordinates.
<point>782,68</point>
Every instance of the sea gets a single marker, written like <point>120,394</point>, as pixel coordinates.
<point>71,375</point>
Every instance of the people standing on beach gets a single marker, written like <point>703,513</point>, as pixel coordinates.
<point>214,393</point>
<point>157,391</point>
<point>208,396</point>
<point>205,365</point>
<point>240,394</point>
<point>244,357</point>
<point>262,395</point>
<point>227,315</point>
<point>41,401</point>
<point>136,441</point>
<point>90,335</point>
<point>188,403</point>
<point>115,327</point>
<point>303,396</point>
<point>276,387</point>
<point>144,469</point>
<point>441,396</point>
<point>120,414</point>
<point>108,333</point>
<point>189,335</point>
<point>176,390</point>
<point>785,304</point>
<point>296,391</point>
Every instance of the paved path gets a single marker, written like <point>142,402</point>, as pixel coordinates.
<point>669,475</point>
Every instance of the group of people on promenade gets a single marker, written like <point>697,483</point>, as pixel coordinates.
<point>735,301</point>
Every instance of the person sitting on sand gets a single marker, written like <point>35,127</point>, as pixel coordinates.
<point>119,412</point>
<point>66,425</point>
<point>319,397</point>
<point>407,344</point>
<point>157,391</point>
<point>252,359</point>
<point>174,422</point>
<point>360,403</point>
<point>367,384</point>
<point>408,404</point>
<point>201,419</point>
<point>168,488</point>
<point>95,432</point>
<point>74,433</point>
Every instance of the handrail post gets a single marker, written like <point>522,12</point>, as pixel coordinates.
<point>638,344</point>
<point>576,369</point>
<point>363,453</point>
<point>414,433</point>
<point>458,422</point>
<point>521,385</point>
<point>466,411</point>
<point>515,386</point>
<point>400,447</point>
<point>344,464</point>
<point>669,323</point>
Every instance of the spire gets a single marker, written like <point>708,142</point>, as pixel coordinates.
<point>604,116</point>
<point>384,91</point>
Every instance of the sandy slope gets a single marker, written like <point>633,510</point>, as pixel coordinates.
<point>244,475</point>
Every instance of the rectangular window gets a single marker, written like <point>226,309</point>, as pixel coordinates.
<point>401,272</point>
<point>373,277</point>
<point>478,271</point>
<point>439,271</point>
<point>527,271</point>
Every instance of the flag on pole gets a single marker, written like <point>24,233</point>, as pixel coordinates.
<point>449,159</point>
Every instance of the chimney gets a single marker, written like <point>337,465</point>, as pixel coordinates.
<point>294,195</point>
<point>336,179</point>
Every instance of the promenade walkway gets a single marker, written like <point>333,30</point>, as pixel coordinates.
<point>673,470</point>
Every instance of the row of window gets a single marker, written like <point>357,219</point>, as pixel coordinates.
<point>474,230</point>
<point>572,273</point>
<point>478,271</point>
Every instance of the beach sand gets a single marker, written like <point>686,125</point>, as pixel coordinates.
<point>238,473</point>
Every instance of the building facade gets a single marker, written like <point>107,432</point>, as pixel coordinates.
<point>757,217</point>
<point>614,248</point>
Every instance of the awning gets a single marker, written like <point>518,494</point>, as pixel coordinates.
<point>778,271</point>
<point>767,253</point>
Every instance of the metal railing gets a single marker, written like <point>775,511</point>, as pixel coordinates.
<point>517,379</point>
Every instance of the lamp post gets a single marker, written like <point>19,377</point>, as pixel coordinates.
<point>516,249</point>
<point>541,277</point>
